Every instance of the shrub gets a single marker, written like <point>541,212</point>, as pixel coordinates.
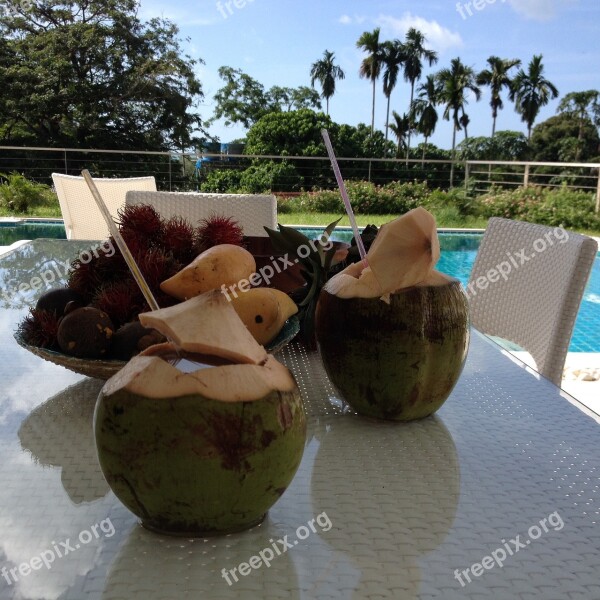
<point>222,181</point>
<point>18,194</point>
<point>553,207</point>
<point>270,177</point>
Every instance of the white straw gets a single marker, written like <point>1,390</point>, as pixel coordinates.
<point>345,198</point>
<point>114,231</point>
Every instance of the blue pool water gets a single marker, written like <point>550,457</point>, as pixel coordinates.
<point>30,229</point>
<point>458,256</point>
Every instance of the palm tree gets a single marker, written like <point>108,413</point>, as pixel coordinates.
<point>454,84</point>
<point>415,54</point>
<point>401,129</point>
<point>583,106</point>
<point>326,72</point>
<point>392,59</point>
<point>370,67</point>
<point>423,111</point>
<point>531,91</point>
<point>496,77</point>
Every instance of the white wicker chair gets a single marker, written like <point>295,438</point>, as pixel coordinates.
<point>535,304</point>
<point>251,211</point>
<point>82,217</point>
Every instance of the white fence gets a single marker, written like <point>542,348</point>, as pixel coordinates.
<point>176,171</point>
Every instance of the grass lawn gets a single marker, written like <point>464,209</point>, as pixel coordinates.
<point>362,220</point>
<point>46,212</point>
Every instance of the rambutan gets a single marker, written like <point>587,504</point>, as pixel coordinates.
<point>179,237</point>
<point>218,229</point>
<point>40,328</point>
<point>83,278</point>
<point>122,301</point>
<point>156,266</point>
<point>141,221</point>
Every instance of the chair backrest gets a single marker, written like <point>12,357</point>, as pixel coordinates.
<point>82,217</point>
<point>526,286</point>
<point>251,211</point>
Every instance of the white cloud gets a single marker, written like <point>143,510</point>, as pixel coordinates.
<point>348,20</point>
<point>438,37</point>
<point>541,10</point>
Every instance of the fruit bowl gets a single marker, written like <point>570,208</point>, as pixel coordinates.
<point>105,369</point>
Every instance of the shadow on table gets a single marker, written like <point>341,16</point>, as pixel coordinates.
<point>391,491</point>
<point>155,566</point>
<point>59,433</point>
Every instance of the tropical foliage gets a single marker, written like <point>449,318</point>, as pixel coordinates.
<point>531,91</point>
<point>326,72</point>
<point>92,74</point>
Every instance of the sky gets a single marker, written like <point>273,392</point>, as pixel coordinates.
<point>276,42</point>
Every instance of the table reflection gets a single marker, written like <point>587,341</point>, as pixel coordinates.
<point>59,433</point>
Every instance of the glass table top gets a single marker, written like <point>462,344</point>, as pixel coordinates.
<point>497,496</point>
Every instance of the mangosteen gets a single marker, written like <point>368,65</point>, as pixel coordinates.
<point>56,300</point>
<point>85,333</point>
<point>132,338</point>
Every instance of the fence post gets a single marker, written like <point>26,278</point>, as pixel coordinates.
<point>467,174</point>
<point>170,172</point>
<point>526,177</point>
<point>66,170</point>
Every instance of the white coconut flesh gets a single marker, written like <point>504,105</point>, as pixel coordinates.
<point>153,377</point>
<point>403,255</point>
<point>207,324</point>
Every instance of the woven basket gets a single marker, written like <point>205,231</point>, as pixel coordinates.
<point>105,369</point>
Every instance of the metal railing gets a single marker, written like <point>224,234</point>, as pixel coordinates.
<point>481,175</point>
<point>179,171</point>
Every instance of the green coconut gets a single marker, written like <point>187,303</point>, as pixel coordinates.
<point>396,361</point>
<point>394,333</point>
<point>207,451</point>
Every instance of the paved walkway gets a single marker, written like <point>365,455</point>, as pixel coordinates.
<point>581,377</point>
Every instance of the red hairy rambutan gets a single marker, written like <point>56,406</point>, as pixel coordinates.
<point>122,301</point>
<point>83,278</point>
<point>218,229</point>
<point>179,237</point>
<point>40,328</point>
<point>156,266</point>
<point>141,220</point>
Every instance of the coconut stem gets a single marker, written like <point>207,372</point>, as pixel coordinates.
<point>345,197</point>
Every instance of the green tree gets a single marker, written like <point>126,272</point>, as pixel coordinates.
<point>423,109</point>
<point>242,99</point>
<point>401,129</point>
<point>370,67</point>
<point>90,73</point>
<point>326,72</point>
<point>531,91</point>
<point>393,59</point>
<point>585,107</point>
<point>496,77</point>
<point>294,133</point>
<point>562,138</point>
<point>504,146</point>
<point>415,54</point>
<point>288,99</point>
<point>454,84</point>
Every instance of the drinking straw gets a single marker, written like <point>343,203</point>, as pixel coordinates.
<point>114,231</point>
<point>345,198</point>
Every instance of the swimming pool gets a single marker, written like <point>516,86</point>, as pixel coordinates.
<point>458,255</point>
<point>30,229</point>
